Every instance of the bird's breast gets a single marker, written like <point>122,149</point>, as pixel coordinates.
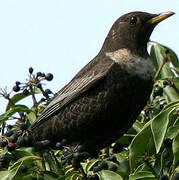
<point>132,64</point>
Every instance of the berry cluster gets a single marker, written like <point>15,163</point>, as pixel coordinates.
<point>34,81</point>
<point>104,165</point>
<point>4,161</point>
<point>15,137</point>
<point>74,156</point>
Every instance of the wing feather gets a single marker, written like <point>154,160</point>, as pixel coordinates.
<point>82,82</point>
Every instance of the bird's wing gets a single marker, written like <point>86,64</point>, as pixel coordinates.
<point>82,82</point>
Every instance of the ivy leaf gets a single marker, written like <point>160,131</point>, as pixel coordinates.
<point>13,110</point>
<point>19,96</point>
<point>175,148</point>
<point>143,175</point>
<point>4,175</point>
<point>139,145</point>
<point>106,175</point>
<point>159,128</point>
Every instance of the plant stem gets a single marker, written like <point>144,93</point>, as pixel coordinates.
<point>34,99</point>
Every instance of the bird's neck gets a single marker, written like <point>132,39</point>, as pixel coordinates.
<point>114,42</point>
<point>133,64</point>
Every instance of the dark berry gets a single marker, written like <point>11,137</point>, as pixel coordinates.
<point>11,146</point>
<point>176,176</point>
<point>9,126</point>
<point>43,100</point>
<point>23,126</point>
<point>31,70</point>
<point>167,143</point>
<point>21,141</point>
<point>42,74</point>
<point>80,148</point>
<point>8,133</point>
<point>93,177</point>
<point>13,138</point>
<point>84,155</point>
<point>39,86</point>
<point>76,156</point>
<point>25,92</point>
<point>112,167</point>
<point>165,155</point>
<point>58,145</point>
<point>17,83</point>
<point>23,168</point>
<point>158,91</point>
<point>48,91</point>
<point>49,77</point>
<point>96,169</point>
<point>103,165</point>
<point>65,151</point>
<point>3,143</point>
<point>163,177</point>
<point>16,88</point>
<point>39,74</point>
<point>113,159</point>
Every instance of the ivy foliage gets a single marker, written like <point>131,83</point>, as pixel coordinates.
<point>149,150</point>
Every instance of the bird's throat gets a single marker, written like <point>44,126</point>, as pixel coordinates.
<point>133,64</point>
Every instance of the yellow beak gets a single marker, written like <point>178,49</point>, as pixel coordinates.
<point>160,17</point>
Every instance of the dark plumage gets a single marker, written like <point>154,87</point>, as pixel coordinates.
<point>104,99</point>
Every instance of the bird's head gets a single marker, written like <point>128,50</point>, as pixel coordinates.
<point>132,31</point>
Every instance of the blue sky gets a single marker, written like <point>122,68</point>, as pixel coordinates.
<point>61,36</point>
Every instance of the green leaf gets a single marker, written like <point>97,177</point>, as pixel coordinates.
<point>172,131</point>
<point>171,93</point>
<point>89,165</point>
<point>49,175</point>
<point>138,126</point>
<point>175,148</point>
<point>13,110</point>
<point>121,169</point>
<point>139,145</point>
<point>158,56</point>
<point>159,128</point>
<point>107,175</point>
<point>162,63</point>
<point>14,173</point>
<point>19,96</point>
<point>20,154</point>
<point>171,104</point>
<point>50,160</point>
<point>146,175</point>
<point>31,117</point>
<point>4,175</point>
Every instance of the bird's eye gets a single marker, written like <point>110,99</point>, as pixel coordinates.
<point>133,20</point>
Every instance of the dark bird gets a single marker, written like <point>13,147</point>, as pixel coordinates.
<point>104,99</point>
